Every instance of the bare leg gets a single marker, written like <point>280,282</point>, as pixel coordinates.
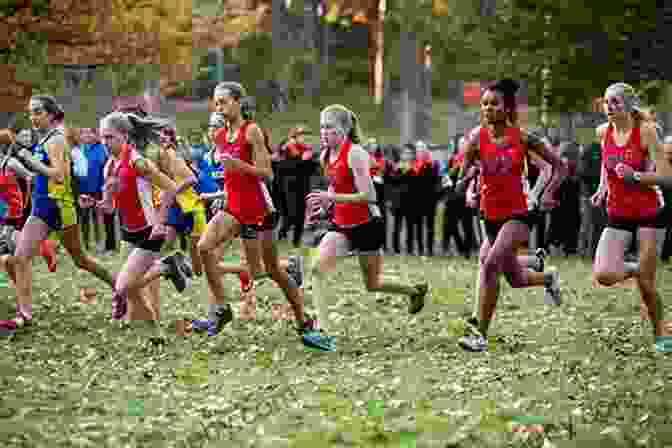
<point>646,280</point>
<point>82,260</point>
<point>33,233</point>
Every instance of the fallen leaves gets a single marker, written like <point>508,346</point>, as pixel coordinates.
<point>394,381</point>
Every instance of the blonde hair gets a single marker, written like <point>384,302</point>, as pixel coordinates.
<point>349,120</point>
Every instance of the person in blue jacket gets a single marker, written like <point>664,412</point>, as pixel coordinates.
<point>89,158</point>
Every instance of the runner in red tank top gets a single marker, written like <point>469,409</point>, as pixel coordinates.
<point>357,224</point>
<point>128,185</point>
<point>242,150</point>
<point>628,149</point>
<point>501,147</point>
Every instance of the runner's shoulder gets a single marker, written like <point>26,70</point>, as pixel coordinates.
<point>601,130</point>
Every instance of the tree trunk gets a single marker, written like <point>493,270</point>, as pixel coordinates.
<point>7,119</point>
<point>409,85</point>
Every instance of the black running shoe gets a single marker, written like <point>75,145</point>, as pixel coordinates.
<point>174,273</point>
<point>541,255</point>
<point>295,269</point>
<point>184,264</point>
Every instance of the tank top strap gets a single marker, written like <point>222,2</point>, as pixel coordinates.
<point>609,135</point>
<point>242,136</point>
<point>636,138</point>
<point>483,137</point>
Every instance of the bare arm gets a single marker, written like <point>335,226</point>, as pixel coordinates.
<point>651,175</point>
<point>544,151</point>
<point>179,169</point>
<point>19,169</point>
<point>262,159</point>
<point>546,172</point>
<point>151,172</point>
<point>471,155</point>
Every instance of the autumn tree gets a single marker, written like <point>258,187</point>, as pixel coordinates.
<point>39,37</point>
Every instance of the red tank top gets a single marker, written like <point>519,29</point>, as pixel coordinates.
<point>246,198</point>
<point>502,192</point>
<point>11,194</point>
<point>624,200</point>
<point>134,196</point>
<point>342,181</point>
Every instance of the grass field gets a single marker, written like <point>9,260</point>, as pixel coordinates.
<point>587,369</point>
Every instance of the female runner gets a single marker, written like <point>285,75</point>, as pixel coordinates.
<point>53,204</point>
<point>249,213</point>
<point>629,146</point>
<point>130,186</point>
<point>357,224</point>
<point>502,146</point>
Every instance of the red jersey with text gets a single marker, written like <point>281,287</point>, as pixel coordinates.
<point>625,200</point>
<point>342,181</point>
<point>501,178</point>
<point>247,197</point>
<point>134,196</point>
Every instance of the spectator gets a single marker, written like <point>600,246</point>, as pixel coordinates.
<point>378,168</point>
<point>455,207</point>
<point>295,173</point>
<point>397,192</point>
<point>411,207</point>
<point>89,158</point>
<point>429,184</point>
<point>566,218</point>
<point>667,213</point>
<point>595,218</point>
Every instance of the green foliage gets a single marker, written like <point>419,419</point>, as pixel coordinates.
<point>517,43</point>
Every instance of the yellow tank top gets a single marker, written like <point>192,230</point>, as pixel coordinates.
<point>62,191</point>
<point>188,199</point>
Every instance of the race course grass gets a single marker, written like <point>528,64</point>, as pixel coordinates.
<point>587,370</point>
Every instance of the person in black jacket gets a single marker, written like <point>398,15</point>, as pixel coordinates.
<point>400,179</point>
<point>379,166</point>
<point>595,218</point>
<point>295,172</point>
<point>566,218</point>
<point>429,187</point>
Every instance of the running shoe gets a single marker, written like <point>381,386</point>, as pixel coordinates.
<point>184,264</point>
<point>312,336</point>
<point>664,344</point>
<point>246,282</point>
<point>213,326</point>
<point>416,302</point>
<point>119,306</point>
<point>174,273</point>
<point>473,340</point>
<point>7,328</point>
<point>552,293</point>
<point>7,245</point>
<point>474,343</point>
<point>295,269</point>
<point>541,255</point>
